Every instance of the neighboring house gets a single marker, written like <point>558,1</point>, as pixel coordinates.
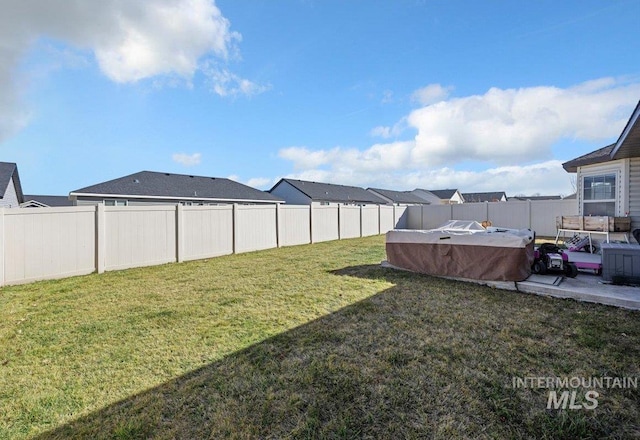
<point>608,179</point>
<point>399,198</point>
<point>39,201</point>
<point>440,196</point>
<point>150,187</point>
<point>10,188</point>
<point>498,196</point>
<point>302,192</point>
<point>535,198</point>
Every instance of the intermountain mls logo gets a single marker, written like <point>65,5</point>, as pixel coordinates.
<point>564,391</point>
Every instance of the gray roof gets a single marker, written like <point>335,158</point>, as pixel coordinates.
<point>8,171</point>
<point>600,155</point>
<point>151,184</point>
<point>627,146</point>
<point>52,201</point>
<point>495,196</point>
<point>524,198</point>
<point>400,196</point>
<point>328,192</point>
<point>443,194</point>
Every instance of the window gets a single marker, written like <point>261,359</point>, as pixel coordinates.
<point>112,202</point>
<point>599,195</point>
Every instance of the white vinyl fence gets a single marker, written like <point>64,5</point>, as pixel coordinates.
<point>538,215</point>
<point>48,243</point>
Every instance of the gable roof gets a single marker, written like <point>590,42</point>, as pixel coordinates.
<point>399,196</point>
<point>444,194</point>
<point>51,201</point>
<point>9,171</point>
<point>495,196</point>
<point>155,185</point>
<point>627,145</point>
<point>329,192</point>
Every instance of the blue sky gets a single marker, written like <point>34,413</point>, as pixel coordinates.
<point>480,96</point>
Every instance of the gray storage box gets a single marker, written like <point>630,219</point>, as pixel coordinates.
<point>621,262</point>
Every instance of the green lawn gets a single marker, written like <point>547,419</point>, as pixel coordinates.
<point>312,341</point>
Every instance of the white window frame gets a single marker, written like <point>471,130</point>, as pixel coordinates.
<point>621,170</point>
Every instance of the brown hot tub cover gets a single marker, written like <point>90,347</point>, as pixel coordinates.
<point>483,255</point>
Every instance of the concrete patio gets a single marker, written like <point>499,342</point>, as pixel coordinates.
<point>585,287</point>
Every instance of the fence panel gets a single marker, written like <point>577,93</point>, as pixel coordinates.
<point>255,227</point>
<point>349,221</point>
<point>401,217</point>
<point>207,231</point>
<point>140,236</point>
<point>45,243</point>
<point>544,213</point>
<point>509,214</point>
<point>294,222</point>
<point>413,217</point>
<point>469,211</point>
<point>387,220</point>
<point>370,220</point>
<point>435,215</point>
<point>324,223</point>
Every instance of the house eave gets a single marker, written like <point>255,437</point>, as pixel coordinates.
<point>628,144</point>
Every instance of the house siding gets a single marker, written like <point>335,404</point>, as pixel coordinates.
<point>290,194</point>
<point>634,192</point>
<point>10,198</point>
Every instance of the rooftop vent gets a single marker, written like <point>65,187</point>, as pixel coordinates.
<point>136,181</point>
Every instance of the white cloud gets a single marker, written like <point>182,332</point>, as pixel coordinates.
<point>512,129</point>
<point>187,160</point>
<point>260,182</point>
<point>381,131</point>
<point>431,94</point>
<point>225,83</point>
<point>131,40</point>
<point>503,126</point>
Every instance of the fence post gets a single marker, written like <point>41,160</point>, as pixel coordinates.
<point>101,238</point>
<point>311,223</point>
<point>277,224</point>
<point>1,246</point>
<point>339,222</point>
<point>361,220</point>
<point>235,227</point>
<point>179,233</point>
<point>379,219</point>
<point>529,216</point>
<point>486,214</point>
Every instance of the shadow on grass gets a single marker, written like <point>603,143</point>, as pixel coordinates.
<point>425,358</point>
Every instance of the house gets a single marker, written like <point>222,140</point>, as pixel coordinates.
<point>399,198</point>
<point>10,188</point>
<point>43,201</point>
<point>440,196</point>
<point>499,196</point>
<point>608,179</point>
<point>302,192</point>
<point>153,188</point>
